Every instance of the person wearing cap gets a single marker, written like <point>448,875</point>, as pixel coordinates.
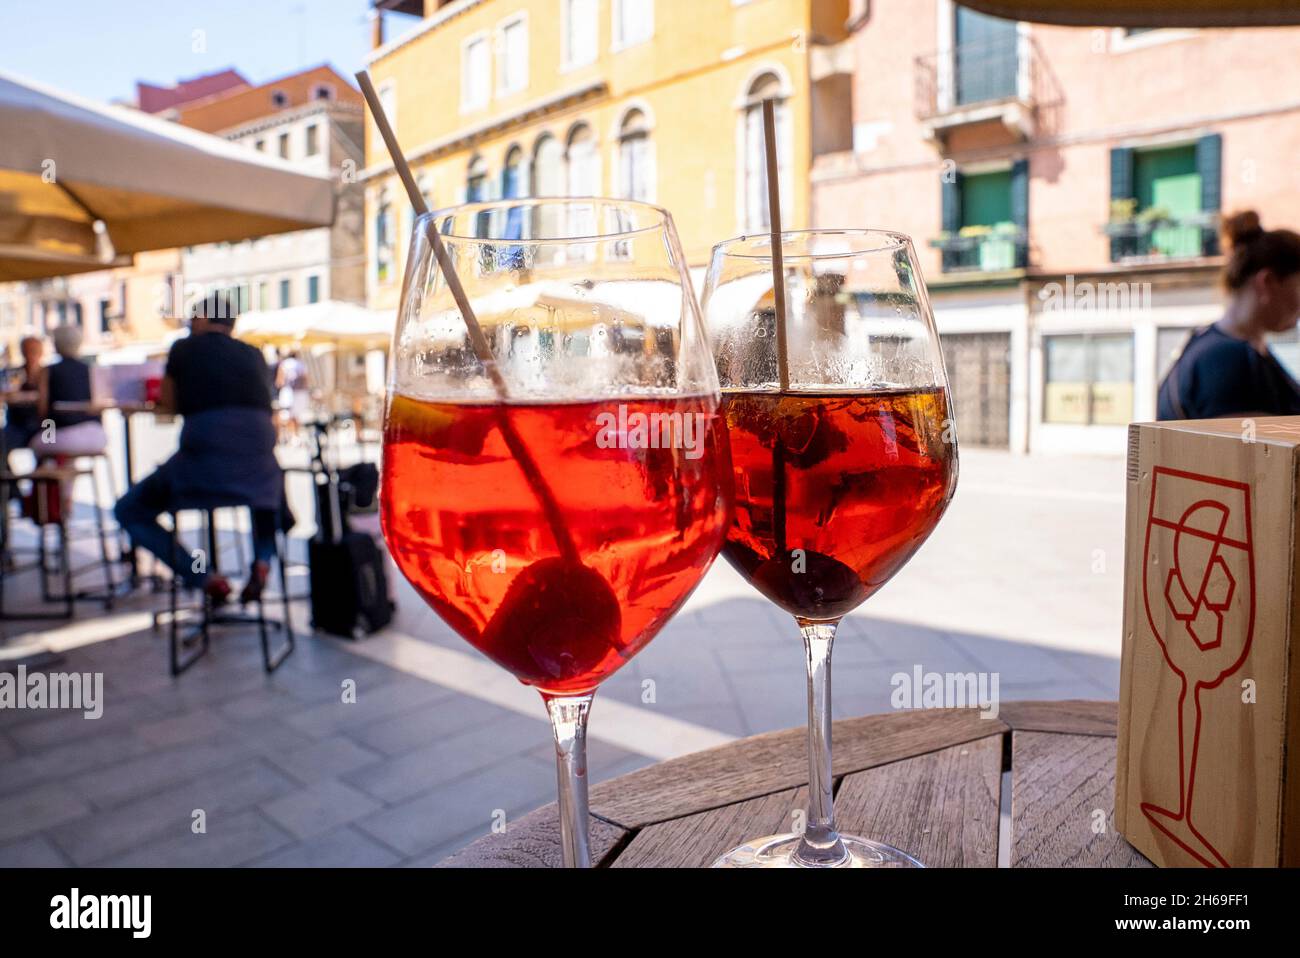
<point>222,388</point>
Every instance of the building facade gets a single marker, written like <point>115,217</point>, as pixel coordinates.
<point>313,119</point>
<point>656,100</point>
<point>1064,187</point>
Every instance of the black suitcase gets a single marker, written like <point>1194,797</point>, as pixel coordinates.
<point>349,577</point>
<point>349,585</point>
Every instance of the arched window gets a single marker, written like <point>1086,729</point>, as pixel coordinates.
<point>476,190</point>
<point>582,169</point>
<point>476,181</point>
<point>753,152</point>
<point>548,180</point>
<point>635,164</point>
<point>513,187</point>
<point>583,166</point>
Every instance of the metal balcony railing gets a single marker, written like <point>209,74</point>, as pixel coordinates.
<point>995,251</point>
<point>1185,237</point>
<point>972,74</point>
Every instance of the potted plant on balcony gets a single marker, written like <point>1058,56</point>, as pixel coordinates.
<point>1122,214</point>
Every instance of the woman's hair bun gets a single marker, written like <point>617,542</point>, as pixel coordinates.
<point>1241,228</point>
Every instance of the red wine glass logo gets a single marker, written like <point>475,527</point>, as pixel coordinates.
<point>1199,592</point>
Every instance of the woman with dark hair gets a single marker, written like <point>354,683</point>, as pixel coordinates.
<point>1227,369</point>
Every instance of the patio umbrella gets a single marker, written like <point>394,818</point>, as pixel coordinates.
<point>1145,13</point>
<point>83,185</point>
<point>343,325</point>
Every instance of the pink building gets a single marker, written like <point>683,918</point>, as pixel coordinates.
<point>1063,186</point>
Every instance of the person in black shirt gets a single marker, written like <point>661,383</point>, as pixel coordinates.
<point>1227,369</point>
<point>222,388</point>
<point>75,431</point>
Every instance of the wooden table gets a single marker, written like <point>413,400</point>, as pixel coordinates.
<point>927,781</point>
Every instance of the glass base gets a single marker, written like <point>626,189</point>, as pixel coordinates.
<point>777,851</point>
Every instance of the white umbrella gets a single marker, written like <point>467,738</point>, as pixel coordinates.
<point>329,322</point>
<point>83,185</point>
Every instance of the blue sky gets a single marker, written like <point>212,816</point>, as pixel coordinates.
<point>99,48</point>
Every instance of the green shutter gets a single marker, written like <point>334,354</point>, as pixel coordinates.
<point>1121,173</point>
<point>1121,188</point>
<point>1209,164</point>
<point>950,202</point>
<point>1020,209</point>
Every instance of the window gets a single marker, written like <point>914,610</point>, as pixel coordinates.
<point>323,92</point>
<point>313,289</point>
<point>388,100</point>
<point>1089,379</point>
<point>284,146</point>
<point>476,181</point>
<point>512,187</point>
<point>284,294</point>
<point>634,22</point>
<point>987,226</point>
<point>260,146</point>
<point>263,295</point>
<point>279,99</point>
<point>476,73</point>
<point>1163,199</point>
<point>582,169</point>
<point>581,28</point>
<point>1168,192</point>
<point>986,61</point>
<point>548,180</point>
<point>635,177</point>
<point>985,219</point>
<point>313,139</point>
<point>512,52</point>
<point>583,162</point>
<point>754,153</point>
<point>385,242</point>
<point>476,191</point>
<point>105,315</point>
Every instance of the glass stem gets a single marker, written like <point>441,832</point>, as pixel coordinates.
<point>821,843</point>
<point>569,723</point>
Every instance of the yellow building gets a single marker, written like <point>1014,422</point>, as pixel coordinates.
<point>649,99</point>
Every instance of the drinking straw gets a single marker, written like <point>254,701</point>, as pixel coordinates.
<point>778,259</point>
<point>554,518</point>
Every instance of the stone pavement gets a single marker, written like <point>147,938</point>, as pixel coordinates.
<point>1023,579</point>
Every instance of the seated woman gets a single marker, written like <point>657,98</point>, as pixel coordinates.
<point>21,420</point>
<point>1227,369</point>
<point>61,431</point>
<point>222,388</point>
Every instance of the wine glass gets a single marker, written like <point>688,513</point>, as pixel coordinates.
<point>844,455</point>
<point>556,500</point>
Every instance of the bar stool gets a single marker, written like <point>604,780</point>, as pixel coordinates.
<point>50,505</point>
<point>210,616</point>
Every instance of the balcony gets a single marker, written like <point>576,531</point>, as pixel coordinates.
<point>1005,83</point>
<point>983,249</point>
<point>1155,235</point>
